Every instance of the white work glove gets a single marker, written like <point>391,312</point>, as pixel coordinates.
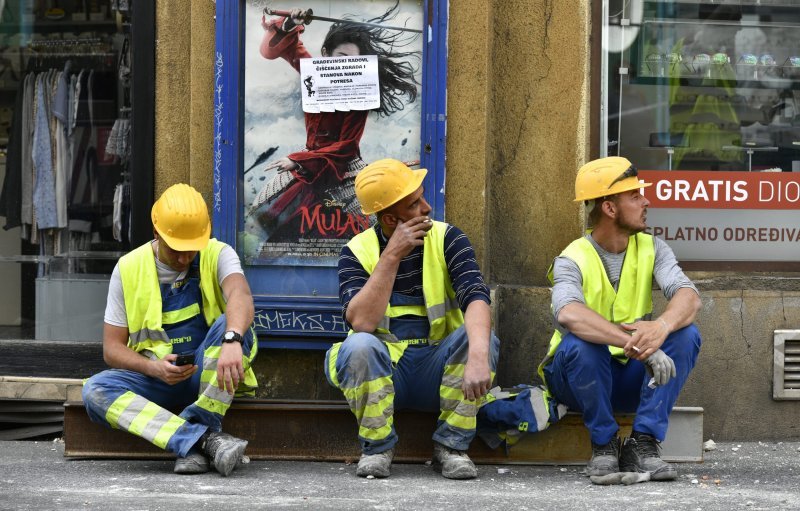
<point>661,367</point>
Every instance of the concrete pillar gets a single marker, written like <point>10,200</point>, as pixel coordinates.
<point>185,36</point>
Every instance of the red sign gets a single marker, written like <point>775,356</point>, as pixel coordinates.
<point>722,190</point>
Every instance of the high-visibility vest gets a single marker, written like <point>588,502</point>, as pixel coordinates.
<point>142,294</point>
<point>441,307</point>
<point>633,299</point>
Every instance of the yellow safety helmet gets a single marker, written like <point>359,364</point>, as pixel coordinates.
<point>384,182</point>
<point>180,216</point>
<point>606,176</point>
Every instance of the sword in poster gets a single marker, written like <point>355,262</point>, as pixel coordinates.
<point>308,16</point>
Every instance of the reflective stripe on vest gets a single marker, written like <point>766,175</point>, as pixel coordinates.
<point>441,306</point>
<point>142,295</point>
<point>633,299</point>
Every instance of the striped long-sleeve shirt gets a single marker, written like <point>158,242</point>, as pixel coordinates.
<point>461,265</point>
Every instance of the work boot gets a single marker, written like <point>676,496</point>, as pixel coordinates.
<point>375,465</point>
<point>194,463</point>
<point>453,464</point>
<point>605,458</point>
<point>224,450</point>
<point>640,454</point>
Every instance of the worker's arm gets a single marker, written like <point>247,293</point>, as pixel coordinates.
<point>648,336</point>
<point>571,311</point>
<point>239,312</point>
<point>367,308</point>
<point>590,326</point>
<point>682,306</point>
<point>477,372</point>
<point>118,355</point>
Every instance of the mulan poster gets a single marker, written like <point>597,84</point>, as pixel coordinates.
<point>356,65</point>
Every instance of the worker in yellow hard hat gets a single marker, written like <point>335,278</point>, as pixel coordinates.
<point>177,335</point>
<point>609,354</point>
<point>418,308</point>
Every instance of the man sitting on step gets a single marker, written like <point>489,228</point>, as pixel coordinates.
<point>608,355</point>
<point>421,332</point>
<point>177,335</point>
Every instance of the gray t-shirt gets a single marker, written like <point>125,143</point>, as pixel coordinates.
<point>115,305</point>
<point>568,281</point>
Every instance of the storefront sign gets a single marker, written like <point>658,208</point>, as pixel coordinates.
<point>725,216</point>
<point>340,83</point>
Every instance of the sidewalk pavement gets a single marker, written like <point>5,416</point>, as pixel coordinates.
<point>742,475</point>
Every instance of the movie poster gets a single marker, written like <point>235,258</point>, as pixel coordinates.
<point>299,167</point>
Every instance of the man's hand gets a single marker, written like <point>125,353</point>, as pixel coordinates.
<point>408,235</point>
<point>171,374</point>
<point>661,367</point>
<point>646,338</point>
<point>477,378</point>
<point>229,367</point>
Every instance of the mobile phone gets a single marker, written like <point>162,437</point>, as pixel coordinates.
<point>185,359</point>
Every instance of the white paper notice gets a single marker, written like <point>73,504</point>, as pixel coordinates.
<point>339,83</point>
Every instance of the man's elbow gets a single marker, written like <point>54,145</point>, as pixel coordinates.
<point>359,323</point>
<point>108,358</point>
<point>697,304</point>
<point>362,326</point>
<point>567,316</point>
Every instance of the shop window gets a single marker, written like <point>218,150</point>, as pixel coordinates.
<point>68,166</point>
<point>301,109</point>
<point>707,96</point>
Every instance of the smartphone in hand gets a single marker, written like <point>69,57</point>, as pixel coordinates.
<point>185,359</point>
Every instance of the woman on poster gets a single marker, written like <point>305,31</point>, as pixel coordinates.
<point>324,172</point>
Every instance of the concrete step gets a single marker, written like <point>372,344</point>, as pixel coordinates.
<point>326,431</point>
<point>51,359</point>
<point>32,407</point>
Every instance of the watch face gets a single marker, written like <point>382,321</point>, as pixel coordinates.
<point>231,336</point>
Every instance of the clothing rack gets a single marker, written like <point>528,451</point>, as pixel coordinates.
<point>66,42</point>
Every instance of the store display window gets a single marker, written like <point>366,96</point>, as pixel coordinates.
<point>704,98</point>
<point>306,96</point>
<point>67,162</point>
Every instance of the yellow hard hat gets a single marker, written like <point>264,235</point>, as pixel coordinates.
<point>180,216</point>
<point>606,176</point>
<point>384,182</point>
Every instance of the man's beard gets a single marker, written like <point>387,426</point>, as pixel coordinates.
<point>629,228</point>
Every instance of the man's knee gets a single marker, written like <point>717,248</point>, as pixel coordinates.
<point>683,343</point>
<point>90,390</point>
<point>360,348</point>
<point>95,394</point>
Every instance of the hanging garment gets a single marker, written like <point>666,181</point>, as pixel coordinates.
<point>117,223</point>
<point>11,195</point>
<point>28,123</point>
<point>44,201</point>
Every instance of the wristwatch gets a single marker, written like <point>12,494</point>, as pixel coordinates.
<point>231,336</point>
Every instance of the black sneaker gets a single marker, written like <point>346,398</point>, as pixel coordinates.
<point>640,454</point>
<point>605,458</point>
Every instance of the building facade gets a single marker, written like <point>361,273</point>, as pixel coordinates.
<point>524,99</point>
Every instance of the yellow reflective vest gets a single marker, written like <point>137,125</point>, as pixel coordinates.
<point>142,294</point>
<point>633,299</point>
<point>441,307</point>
